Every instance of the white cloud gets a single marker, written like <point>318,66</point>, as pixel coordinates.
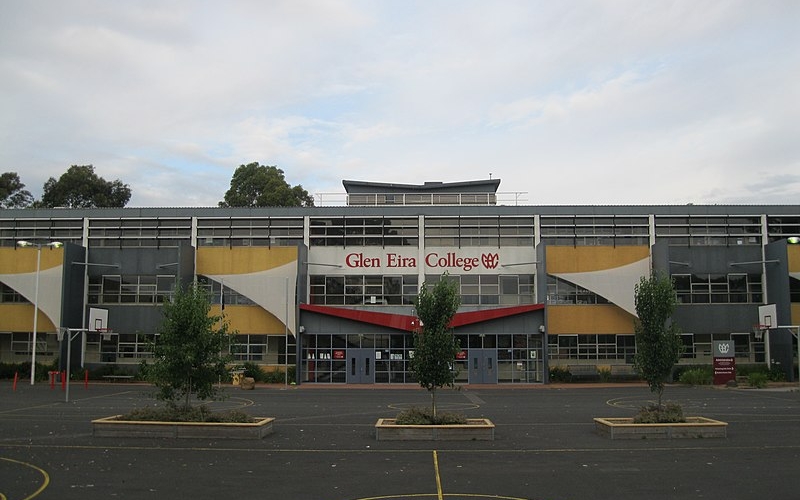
<point>576,102</point>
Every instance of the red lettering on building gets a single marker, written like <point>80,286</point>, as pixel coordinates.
<point>394,260</point>
<point>358,260</point>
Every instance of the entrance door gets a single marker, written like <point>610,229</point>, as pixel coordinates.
<point>360,366</point>
<point>482,366</point>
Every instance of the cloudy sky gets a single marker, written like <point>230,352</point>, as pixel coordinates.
<point>567,102</point>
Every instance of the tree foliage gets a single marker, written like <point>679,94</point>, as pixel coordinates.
<point>658,341</point>
<point>81,187</point>
<point>193,348</point>
<point>435,346</point>
<point>255,185</point>
<point>12,192</point>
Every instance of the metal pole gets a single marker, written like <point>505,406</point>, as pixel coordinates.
<point>286,333</point>
<point>35,313</point>
<point>69,358</point>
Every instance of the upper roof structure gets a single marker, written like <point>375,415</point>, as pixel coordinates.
<point>363,193</point>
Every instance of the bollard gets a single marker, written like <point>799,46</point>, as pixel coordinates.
<point>85,379</point>
<point>16,379</point>
<point>63,380</point>
<point>52,379</point>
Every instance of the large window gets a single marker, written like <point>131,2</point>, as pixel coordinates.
<point>364,289</point>
<point>735,288</point>
<point>610,347</point>
<point>250,232</point>
<point>782,226</point>
<point>479,231</point>
<point>594,231</point>
<point>364,231</point>
<point>561,291</point>
<point>63,230</point>
<point>148,232</point>
<point>130,289</point>
<point>492,289</point>
<point>709,231</point>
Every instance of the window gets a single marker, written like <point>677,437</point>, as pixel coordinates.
<point>605,230</point>
<point>130,289</point>
<point>561,291</point>
<point>709,230</point>
<point>63,230</point>
<point>363,290</point>
<point>479,231</point>
<point>148,232</point>
<point>255,231</point>
<point>734,288</point>
<point>359,232</point>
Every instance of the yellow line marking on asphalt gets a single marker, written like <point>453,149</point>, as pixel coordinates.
<point>42,471</point>
<point>438,477</point>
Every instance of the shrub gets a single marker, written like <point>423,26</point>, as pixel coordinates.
<point>253,370</point>
<point>560,374</point>
<point>173,413</point>
<point>669,413</point>
<point>696,376</point>
<point>420,416</point>
<point>776,374</point>
<point>757,379</point>
<point>605,374</point>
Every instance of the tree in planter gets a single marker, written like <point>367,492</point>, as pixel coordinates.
<point>193,348</point>
<point>435,347</point>
<point>658,341</point>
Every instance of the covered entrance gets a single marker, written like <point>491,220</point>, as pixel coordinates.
<point>360,366</point>
<point>482,366</point>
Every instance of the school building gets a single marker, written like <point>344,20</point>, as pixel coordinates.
<point>329,291</point>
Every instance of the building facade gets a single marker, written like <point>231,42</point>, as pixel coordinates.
<point>328,291</point>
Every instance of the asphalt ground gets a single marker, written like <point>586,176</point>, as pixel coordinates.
<point>324,447</point>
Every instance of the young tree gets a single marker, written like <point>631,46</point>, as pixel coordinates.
<point>80,187</point>
<point>658,341</point>
<point>192,350</point>
<point>255,185</point>
<point>13,193</point>
<point>435,347</point>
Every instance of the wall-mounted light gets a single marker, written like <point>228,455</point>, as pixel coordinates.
<point>793,240</point>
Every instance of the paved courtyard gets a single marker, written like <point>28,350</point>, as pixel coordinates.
<point>324,447</point>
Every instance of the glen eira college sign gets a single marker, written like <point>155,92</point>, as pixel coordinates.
<point>432,260</point>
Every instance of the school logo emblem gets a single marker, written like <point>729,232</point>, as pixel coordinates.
<point>490,260</point>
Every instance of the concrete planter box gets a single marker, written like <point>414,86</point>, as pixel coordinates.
<point>694,427</point>
<point>112,427</point>
<point>476,429</point>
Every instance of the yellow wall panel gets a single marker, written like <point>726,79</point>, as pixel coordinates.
<point>588,319</point>
<point>250,320</point>
<point>793,252</point>
<point>19,318</point>
<point>242,260</point>
<point>796,314</point>
<point>23,260</point>
<point>585,259</point>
